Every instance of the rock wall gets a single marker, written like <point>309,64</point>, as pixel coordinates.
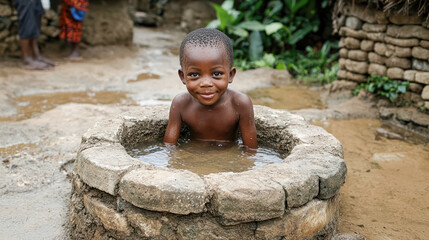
<point>9,39</point>
<point>394,46</point>
<point>107,22</point>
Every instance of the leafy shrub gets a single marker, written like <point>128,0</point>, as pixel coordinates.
<point>383,86</point>
<point>316,66</point>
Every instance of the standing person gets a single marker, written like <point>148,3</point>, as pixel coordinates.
<point>29,18</point>
<point>71,17</point>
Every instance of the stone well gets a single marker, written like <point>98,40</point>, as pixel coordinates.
<point>117,196</point>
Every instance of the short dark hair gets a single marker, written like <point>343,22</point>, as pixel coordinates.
<point>204,37</point>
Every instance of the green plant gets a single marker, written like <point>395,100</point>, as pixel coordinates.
<point>258,26</point>
<point>316,66</point>
<point>247,33</point>
<point>383,86</point>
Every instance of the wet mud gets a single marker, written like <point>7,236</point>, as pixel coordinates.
<point>386,190</point>
<point>290,97</point>
<point>144,76</point>
<point>30,105</point>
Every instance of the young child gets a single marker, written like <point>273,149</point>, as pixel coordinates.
<point>210,110</point>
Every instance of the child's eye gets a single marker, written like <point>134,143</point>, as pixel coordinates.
<point>193,75</point>
<point>217,74</point>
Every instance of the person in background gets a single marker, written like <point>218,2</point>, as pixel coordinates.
<point>72,14</point>
<point>29,18</point>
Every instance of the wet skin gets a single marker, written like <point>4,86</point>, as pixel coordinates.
<point>211,111</point>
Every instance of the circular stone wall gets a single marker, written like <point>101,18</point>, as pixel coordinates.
<point>117,196</point>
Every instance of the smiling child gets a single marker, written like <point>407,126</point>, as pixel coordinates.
<point>211,111</point>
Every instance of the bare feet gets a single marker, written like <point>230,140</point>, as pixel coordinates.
<point>74,56</point>
<point>35,65</point>
<point>47,61</point>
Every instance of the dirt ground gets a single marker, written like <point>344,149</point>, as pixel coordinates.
<point>44,114</point>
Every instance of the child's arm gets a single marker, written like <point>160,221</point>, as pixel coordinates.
<point>174,122</point>
<point>247,121</point>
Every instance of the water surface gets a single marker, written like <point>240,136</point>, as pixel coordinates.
<point>205,157</point>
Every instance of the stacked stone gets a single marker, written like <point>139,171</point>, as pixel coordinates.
<point>393,46</point>
<point>9,39</point>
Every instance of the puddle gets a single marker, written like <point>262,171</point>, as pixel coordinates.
<point>144,76</point>
<point>175,51</point>
<point>30,105</point>
<point>16,149</point>
<point>290,97</point>
<point>205,158</point>
<point>387,180</point>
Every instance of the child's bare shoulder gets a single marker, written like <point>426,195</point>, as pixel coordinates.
<point>181,99</point>
<point>240,99</point>
<point>241,102</point>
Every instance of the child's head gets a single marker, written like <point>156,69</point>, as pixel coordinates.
<point>206,65</point>
<point>207,37</point>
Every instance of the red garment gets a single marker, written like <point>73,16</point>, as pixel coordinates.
<point>71,29</point>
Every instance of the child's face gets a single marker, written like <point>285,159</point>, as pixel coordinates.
<point>206,72</point>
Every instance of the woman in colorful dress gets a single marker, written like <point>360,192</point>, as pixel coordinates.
<point>71,17</point>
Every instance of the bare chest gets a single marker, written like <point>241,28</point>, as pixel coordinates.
<point>216,124</point>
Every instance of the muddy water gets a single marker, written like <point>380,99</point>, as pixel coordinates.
<point>144,76</point>
<point>30,105</point>
<point>387,190</point>
<point>14,149</point>
<point>290,97</point>
<point>205,157</point>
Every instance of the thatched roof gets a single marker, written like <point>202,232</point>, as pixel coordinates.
<point>392,7</point>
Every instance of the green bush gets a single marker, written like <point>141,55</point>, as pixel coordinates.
<point>383,86</point>
<point>316,66</point>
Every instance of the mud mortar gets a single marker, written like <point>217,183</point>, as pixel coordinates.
<point>115,195</point>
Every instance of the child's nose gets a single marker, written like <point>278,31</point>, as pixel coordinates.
<point>206,82</point>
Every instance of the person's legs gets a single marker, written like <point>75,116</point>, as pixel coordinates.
<point>71,31</point>
<point>36,53</point>
<point>29,15</point>
<point>28,61</point>
<point>75,54</point>
<point>25,49</point>
<point>35,48</point>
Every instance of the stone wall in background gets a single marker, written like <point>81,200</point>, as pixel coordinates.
<point>393,46</point>
<point>107,22</point>
<point>9,39</point>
